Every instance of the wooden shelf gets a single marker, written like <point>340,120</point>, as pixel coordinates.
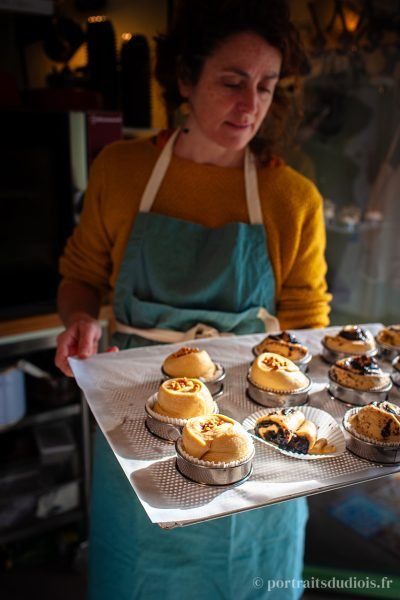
<point>41,322</point>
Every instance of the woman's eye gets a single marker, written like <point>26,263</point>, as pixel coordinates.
<point>264,90</point>
<point>232,84</point>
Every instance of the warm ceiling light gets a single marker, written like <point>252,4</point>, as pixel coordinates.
<point>97,19</point>
<point>352,19</point>
<point>126,37</point>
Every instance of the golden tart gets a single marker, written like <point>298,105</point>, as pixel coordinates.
<point>359,373</point>
<point>183,398</point>
<point>216,438</point>
<point>290,430</point>
<point>351,339</point>
<point>390,337</point>
<point>189,362</point>
<point>379,422</point>
<point>276,373</point>
<point>283,343</point>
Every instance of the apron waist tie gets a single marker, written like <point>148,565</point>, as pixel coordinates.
<point>200,330</point>
<point>169,336</point>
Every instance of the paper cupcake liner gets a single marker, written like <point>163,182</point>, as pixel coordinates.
<point>210,463</point>
<point>150,402</point>
<point>347,425</point>
<point>327,428</point>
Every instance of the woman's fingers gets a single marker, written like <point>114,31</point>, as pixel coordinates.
<point>80,339</point>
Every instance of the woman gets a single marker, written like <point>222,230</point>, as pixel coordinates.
<point>190,229</point>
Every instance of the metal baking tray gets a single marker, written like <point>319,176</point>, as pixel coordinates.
<point>117,386</point>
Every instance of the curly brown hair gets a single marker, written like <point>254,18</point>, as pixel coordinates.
<point>199,27</point>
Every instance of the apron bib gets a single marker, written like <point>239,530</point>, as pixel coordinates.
<point>179,281</point>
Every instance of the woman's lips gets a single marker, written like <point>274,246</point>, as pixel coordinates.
<point>238,126</point>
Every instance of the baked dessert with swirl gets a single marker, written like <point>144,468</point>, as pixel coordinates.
<point>284,343</point>
<point>183,398</point>
<point>389,336</point>
<point>216,438</point>
<point>379,422</point>
<point>189,362</point>
<point>290,430</point>
<point>351,339</point>
<point>359,373</point>
<point>275,373</point>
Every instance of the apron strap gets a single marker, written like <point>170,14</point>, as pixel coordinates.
<point>169,336</point>
<point>161,166</point>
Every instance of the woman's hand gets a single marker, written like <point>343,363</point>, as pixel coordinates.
<point>80,339</point>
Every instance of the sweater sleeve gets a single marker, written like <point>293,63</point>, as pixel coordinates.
<point>86,256</point>
<point>303,300</point>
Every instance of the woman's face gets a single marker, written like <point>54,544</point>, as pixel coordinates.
<point>234,91</point>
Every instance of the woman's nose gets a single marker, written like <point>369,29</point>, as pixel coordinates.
<point>248,101</point>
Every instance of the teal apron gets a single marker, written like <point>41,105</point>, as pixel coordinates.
<point>179,280</point>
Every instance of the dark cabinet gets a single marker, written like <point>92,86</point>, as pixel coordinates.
<point>45,455</point>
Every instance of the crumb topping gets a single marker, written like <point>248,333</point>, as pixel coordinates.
<point>184,351</point>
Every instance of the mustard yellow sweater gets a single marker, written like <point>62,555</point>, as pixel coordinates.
<point>211,196</point>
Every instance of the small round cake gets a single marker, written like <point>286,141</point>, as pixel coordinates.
<point>189,362</point>
<point>352,339</point>
<point>183,398</point>
<point>276,373</point>
<point>283,343</point>
<point>379,422</point>
<point>216,438</point>
<point>396,371</point>
<point>359,373</point>
<point>390,336</point>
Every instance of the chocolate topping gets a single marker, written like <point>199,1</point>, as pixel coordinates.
<point>285,336</point>
<point>388,407</point>
<point>353,333</point>
<point>363,364</point>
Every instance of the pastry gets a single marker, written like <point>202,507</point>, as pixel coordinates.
<point>284,343</point>
<point>389,336</point>
<point>290,430</point>
<point>379,421</point>
<point>360,373</point>
<point>352,339</point>
<point>183,398</point>
<point>276,373</point>
<point>216,438</point>
<point>189,362</point>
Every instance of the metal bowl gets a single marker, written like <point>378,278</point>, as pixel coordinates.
<point>331,356</point>
<point>277,399</point>
<point>396,371</point>
<point>357,397</point>
<point>386,352</point>
<point>213,475</point>
<point>368,450</point>
<point>215,385</point>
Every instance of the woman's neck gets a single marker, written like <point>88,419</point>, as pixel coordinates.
<point>192,145</point>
